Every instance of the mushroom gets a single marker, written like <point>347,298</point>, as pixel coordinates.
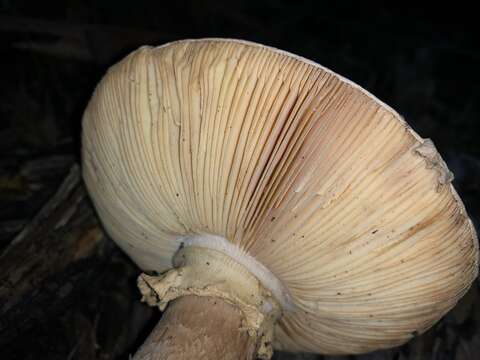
<point>272,203</point>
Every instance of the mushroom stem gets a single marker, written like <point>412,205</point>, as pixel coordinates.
<point>198,327</point>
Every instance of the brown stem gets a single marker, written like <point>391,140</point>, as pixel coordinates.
<point>194,327</point>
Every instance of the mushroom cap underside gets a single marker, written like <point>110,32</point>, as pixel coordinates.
<point>311,175</point>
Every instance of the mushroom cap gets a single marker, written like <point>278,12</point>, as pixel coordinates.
<point>305,171</point>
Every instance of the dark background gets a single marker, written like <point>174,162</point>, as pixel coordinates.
<point>424,62</point>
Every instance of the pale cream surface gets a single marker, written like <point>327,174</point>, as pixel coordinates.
<point>317,180</point>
